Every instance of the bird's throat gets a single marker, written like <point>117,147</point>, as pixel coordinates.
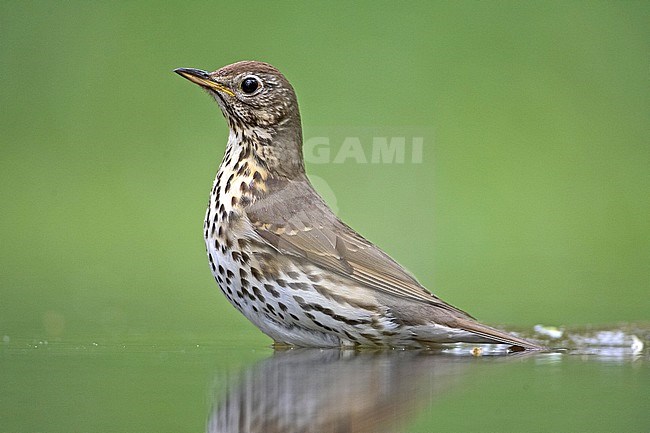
<point>240,181</point>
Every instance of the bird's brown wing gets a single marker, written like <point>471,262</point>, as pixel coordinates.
<point>295,221</point>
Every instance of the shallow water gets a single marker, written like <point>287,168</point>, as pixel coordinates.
<point>599,381</point>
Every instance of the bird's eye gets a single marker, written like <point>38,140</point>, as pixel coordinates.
<point>250,84</point>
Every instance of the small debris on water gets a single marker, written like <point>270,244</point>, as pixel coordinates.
<point>549,331</point>
<point>637,345</point>
<point>605,338</point>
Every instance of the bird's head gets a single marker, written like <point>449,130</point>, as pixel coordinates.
<point>257,101</point>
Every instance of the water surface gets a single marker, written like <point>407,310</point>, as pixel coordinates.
<point>146,385</point>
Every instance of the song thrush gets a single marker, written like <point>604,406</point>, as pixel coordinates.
<point>282,257</point>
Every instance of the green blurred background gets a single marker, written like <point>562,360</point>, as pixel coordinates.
<point>530,204</point>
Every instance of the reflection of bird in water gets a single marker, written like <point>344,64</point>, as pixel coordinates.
<point>311,390</point>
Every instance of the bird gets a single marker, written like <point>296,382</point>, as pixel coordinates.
<point>284,259</point>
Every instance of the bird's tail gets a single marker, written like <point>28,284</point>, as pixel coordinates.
<point>487,334</point>
<point>467,330</point>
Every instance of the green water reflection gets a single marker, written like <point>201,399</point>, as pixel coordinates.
<point>145,386</point>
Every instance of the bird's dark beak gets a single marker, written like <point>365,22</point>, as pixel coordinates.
<point>203,79</point>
